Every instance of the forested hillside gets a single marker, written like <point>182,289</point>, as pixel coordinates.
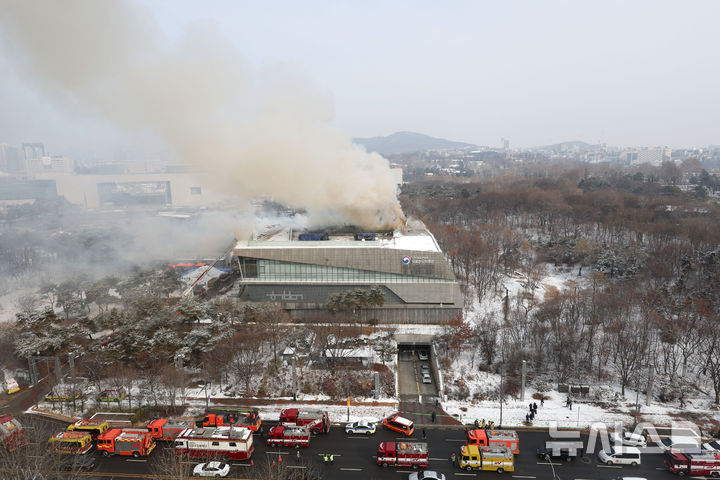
<point>650,252</point>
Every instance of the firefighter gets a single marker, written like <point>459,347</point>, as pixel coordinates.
<point>453,458</point>
<point>332,459</point>
<point>325,458</point>
<point>297,453</point>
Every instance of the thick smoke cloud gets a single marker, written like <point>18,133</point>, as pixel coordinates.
<point>262,132</point>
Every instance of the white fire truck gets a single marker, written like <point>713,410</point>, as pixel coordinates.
<point>228,443</point>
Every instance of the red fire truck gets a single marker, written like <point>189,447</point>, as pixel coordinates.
<point>229,443</point>
<point>236,416</point>
<point>289,435</point>
<point>12,434</point>
<point>167,430</point>
<point>700,463</point>
<point>126,441</point>
<point>489,438</point>
<point>403,454</point>
<point>317,421</point>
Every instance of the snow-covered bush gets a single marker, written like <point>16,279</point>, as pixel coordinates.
<point>603,394</point>
<point>541,385</point>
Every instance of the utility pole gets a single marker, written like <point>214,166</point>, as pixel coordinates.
<point>651,373</point>
<point>294,376</point>
<point>522,386</point>
<point>501,395</point>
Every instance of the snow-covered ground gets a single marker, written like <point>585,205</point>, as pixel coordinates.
<point>585,412</point>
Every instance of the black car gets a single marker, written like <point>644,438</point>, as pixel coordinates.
<point>77,463</point>
<point>564,454</point>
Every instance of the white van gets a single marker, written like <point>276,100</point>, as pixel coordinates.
<point>620,456</point>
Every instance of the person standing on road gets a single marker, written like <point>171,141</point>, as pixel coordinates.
<point>297,454</point>
<point>325,458</point>
<point>542,401</point>
<point>332,459</point>
<point>433,417</point>
<point>424,434</point>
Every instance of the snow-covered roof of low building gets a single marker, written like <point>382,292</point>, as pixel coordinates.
<point>191,276</point>
<point>363,352</point>
<point>416,238</point>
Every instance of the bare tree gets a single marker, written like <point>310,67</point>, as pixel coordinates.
<point>168,464</point>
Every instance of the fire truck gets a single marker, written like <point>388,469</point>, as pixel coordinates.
<point>289,435</point>
<point>12,434</point>
<point>168,430</point>
<point>229,443</point>
<point>403,454</point>
<point>488,438</point>
<point>496,458</point>
<point>126,441</point>
<point>95,427</point>
<point>78,443</point>
<point>700,463</point>
<point>317,421</point>
<point>238,417</point>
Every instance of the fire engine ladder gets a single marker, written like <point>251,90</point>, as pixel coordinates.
<point>189,291</point>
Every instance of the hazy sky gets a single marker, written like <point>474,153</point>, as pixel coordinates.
<point>536,72</point>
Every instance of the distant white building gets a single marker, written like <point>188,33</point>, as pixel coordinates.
<point>654,156</point>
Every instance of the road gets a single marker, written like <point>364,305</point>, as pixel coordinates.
<point>354,460</point>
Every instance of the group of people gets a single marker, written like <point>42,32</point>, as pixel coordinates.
<point>489,425</point>
<point>529,417</point>
<point>328,458</point>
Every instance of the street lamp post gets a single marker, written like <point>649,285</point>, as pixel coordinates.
<point>207,395</point>
<point>501,396</point>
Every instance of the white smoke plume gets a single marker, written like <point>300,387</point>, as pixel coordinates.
<point>261,131</point>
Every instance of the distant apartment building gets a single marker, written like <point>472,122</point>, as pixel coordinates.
<point>653,156</point>
<point>32,152</point>
<point>10,159</point>
<point>46,163</point>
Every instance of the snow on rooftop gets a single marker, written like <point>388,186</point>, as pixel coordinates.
<point>417,240</point>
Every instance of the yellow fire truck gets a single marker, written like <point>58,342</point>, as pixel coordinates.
<point>495,458</point>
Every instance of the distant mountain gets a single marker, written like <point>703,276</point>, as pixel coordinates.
<point>408,142</point>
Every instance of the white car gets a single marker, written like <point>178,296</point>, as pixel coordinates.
<point>681,443</point>
<point>426,475</point>
<point>711,446</point>
<point>211,469</point>
<point>366,428</point>
<point>620,456</point>
<point>427,378</point>
<point>630,439</point>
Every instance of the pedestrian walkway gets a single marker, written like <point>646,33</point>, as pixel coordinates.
<point>421,413</point>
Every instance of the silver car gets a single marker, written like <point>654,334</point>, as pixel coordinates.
<point>426,475</point>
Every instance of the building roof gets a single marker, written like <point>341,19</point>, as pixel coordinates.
<point>417,238</point>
